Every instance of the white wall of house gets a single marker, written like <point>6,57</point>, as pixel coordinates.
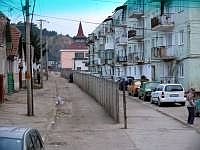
<point>3,65</point>
<point>80,65</point>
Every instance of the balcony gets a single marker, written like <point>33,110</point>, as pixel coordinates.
<point>119,23</point>
<point>121,41</point>
<point>97,62</point>
<point>109,46</point>
<point>121,59</point>
<point>107,61</point>
<point>101,34</point>
<point>135,34</point>
<point>136,12</point>
<point>165,53</point>
<point>131,58</point>
<point>139,57</point>
<point>162,23</point>
<point>136,58</point>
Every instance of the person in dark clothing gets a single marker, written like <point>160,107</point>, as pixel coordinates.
<point>191,106</point>
<point>71,77</point>
<point>38,76</point>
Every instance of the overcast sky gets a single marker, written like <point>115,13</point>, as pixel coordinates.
<point>68,13</point>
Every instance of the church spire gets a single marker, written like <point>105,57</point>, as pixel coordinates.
<point>80,31</point>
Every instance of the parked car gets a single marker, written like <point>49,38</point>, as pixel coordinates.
<point>128,80</point>
<point>146,88</point>
<point>133,89</point>
<point>13,138</point>
<point>168,93</point>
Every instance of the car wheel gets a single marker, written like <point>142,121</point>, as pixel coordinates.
<point>159,103</point>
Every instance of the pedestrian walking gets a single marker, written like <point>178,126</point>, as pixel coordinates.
<point>191,106</point>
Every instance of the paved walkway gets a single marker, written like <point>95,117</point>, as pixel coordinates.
<point>175,111</point>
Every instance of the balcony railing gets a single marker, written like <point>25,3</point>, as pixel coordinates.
<point>136,12</point>
<point>163,53</point>
<point>119,23</point>
<point>109,46</point>
<point>162,23</point>
<point>121,40</point>
<point>107,61</point>
<point>136,57</point>
<point>122,59</point>
<point>135,34</point>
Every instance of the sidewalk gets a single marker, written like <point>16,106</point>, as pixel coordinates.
<point>178,113</point>
<point>14,111</point>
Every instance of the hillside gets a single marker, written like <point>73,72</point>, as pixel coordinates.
<point>56,41</point>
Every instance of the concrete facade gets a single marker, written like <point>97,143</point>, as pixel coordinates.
<point>160,41</point>
<point>68,59</point>
<point>75,57</point>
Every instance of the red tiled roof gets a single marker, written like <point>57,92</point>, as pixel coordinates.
<point>77,45</point>
<point>15,36</point>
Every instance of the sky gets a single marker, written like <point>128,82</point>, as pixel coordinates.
<point>63,16</point>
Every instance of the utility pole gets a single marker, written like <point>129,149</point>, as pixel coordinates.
<point>41,56</point>
<point>28,63</point>
<point>124,105</point>
<point>47,59</point>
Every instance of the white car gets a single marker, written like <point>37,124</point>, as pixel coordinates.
<point>168,93</point>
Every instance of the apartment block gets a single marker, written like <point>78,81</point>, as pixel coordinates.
<point>155,38</point>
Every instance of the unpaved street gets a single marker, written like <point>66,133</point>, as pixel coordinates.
<point>81,124</point>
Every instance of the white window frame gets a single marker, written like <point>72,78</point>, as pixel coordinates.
<point>181,37</point>
<point>181,70</point>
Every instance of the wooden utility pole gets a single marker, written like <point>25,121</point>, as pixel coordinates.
<point>28,63</point>
<point>41,56</point>
<point>47,59</point>
<point>124,105</point>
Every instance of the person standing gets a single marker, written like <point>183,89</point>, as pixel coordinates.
<point>38,76</point>
<point>191,106</point>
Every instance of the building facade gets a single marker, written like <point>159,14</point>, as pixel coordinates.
<point>155,38</point>
<point>75,57</point>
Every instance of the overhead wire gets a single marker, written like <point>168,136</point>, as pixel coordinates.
<point>73,20</point>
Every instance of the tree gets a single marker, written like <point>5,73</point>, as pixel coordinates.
<point>35,42</point>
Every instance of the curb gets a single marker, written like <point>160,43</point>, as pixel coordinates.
<point>166,114</point>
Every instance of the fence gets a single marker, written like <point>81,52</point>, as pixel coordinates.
<point>104,91</point>
<point>1,88</point>
<point>65,73</point>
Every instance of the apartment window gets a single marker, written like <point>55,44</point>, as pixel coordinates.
<point>79,55</point>
<point>181,70</point>
<point>135,48</point>
<point>169,39</point>
<point>86,55</point>
<point>129,49</point>
<point>181,37</point>
<point>153,42</point>
<point>180,6</point>
<point>135,71</point>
